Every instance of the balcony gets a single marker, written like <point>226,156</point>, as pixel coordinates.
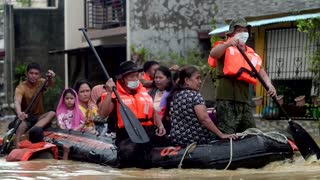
<point>105,14</point>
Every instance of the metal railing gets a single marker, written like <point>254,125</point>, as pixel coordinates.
<point>288,54</point>
<point>105,14</point>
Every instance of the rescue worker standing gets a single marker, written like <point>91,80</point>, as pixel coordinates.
<point>234,74</point>
<point>137,99</point>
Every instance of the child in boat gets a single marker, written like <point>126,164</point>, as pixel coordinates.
<point>69,115</point>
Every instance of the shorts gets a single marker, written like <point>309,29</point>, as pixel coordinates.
<point>31,121</point>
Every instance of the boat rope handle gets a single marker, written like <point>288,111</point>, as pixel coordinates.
<point>276,136</point>
<point>231,154</point>
<point>191,146</point>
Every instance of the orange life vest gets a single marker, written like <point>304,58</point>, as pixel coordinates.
<point>27,149</point>
<point>140,104</point>
<point>146,77</point>
<point>103,96</point>
<point>236,66</point>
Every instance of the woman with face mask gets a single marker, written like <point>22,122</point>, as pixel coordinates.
<point>137,99</point>
<point>234,76</point>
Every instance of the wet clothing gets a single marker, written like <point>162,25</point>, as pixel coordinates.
<point>27,92</point>
<point>132,154</point>
<point>185,125</point>
<point>234,116</point>
<point>233,107</point>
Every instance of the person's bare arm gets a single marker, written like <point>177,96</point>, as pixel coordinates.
<point>161,130</point>
<point>202,114</point>
<point>272,91</point>
<point>107,105</point>
<point>50,74</point>
<point>17,104</point>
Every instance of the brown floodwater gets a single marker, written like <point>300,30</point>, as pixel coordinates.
<point>298,169</point>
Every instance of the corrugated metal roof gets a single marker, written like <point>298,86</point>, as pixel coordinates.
<point>268,21</point>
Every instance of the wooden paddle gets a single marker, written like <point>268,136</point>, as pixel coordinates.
<point>8,138</point>
<point>132,125</point>
<point>305,143</point>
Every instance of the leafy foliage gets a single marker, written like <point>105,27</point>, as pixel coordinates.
<point>19,74</point>
<point>24,3</point>
<point>138,54</point>
<point>312,27</point>
<point>52,95</point>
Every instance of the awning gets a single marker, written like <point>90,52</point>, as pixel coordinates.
<point>269,21</point>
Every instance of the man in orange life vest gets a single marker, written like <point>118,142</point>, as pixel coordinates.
<point>233,109</point>
<point>136,97</point>
<point>34,148</point>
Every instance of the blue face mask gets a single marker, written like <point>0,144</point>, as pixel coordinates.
<point>133,84</point>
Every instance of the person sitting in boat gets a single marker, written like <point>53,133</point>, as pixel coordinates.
<point>88,109</point>
<point>149,68</point>
<point>69,115</point>
<point>109,128</point>
<point>105,126</point>
<point>24,92</point>
<point>163,85</point>
<point>97,92</point>
<point>187,113</point>
<point>137,99</point>
<point>34,148</point>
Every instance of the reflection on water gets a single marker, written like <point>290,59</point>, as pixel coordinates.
<point>58,169</point>
<point>298,169</point>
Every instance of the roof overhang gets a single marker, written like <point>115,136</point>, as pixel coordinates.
<point>269,21</point>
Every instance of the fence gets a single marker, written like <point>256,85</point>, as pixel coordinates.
<point>287,55</point>
<point>105,14</point>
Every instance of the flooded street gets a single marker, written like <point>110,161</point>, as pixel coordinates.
<point>60,169</point>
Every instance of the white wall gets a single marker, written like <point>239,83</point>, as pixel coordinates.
<point>74,19</point>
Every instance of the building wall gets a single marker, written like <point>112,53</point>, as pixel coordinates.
<point>171,25</point>
<point>164,26</point>
<point>37,31</point>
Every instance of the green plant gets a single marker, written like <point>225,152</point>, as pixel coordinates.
<point>24,3</point>
<point>52,95</point>
<point>138,54</point>
<point>312,27</point>
<point>19,74</point>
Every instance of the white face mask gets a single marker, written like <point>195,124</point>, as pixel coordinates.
<point>133,84</point>
<point>242,36</point>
